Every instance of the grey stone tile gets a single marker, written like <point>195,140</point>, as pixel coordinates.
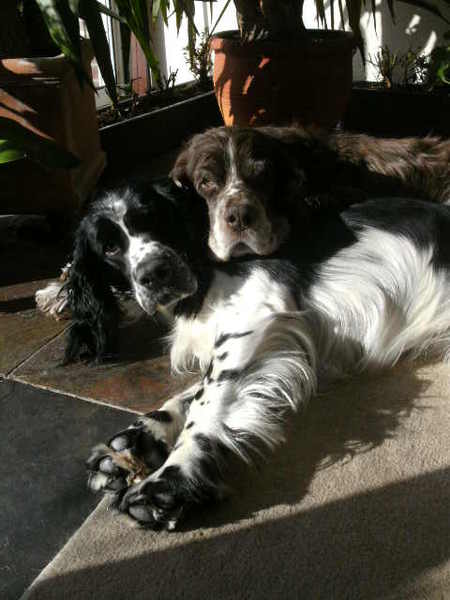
<point>45,439</point>
<point>23,330</point>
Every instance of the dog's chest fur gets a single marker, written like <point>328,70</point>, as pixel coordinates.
<point>233,302</point>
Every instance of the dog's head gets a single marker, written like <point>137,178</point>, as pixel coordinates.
<point>248,178</point>
<point>140,238</point>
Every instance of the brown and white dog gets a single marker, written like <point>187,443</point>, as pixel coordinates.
<point>257,182</point>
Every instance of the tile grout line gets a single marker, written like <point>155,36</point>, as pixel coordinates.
<point>10,376</point>
<point>33,354</point>
<point>78,397</point>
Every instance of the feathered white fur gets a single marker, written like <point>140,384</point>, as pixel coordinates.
<point>52,299</point>
<point>371,303</point>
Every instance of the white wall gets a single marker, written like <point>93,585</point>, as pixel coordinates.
<point>414,28</point>
<point>175,44</point>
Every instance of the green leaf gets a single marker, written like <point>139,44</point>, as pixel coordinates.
<point>75,6</point>
<point>185,8</point>
<point>354,8</point>
<point>136,15</point>
<point>107,11</point>
<point>341,12</point>
<point>165,6</point>
<point>64,28</point>
<point>191,42</point>
<point>443,73</point>
<point>391,9</point>
<point>374,9</point>
<point>99,40</point>
<point>9,153</point>
<point>178,14</point>
<point>156,8</point>
<point>227,4</point>
<point>320,11</point>
<point>18,142</point>
<point>332,13</point>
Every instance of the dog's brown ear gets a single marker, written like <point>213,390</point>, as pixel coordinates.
<point>180,172</point>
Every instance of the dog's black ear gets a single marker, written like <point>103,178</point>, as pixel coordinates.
<point>189,220</point>
<point>307,169</point>
<point>95,310</point>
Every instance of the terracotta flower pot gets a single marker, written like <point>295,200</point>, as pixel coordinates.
<point>43,95</point>
<point>307,81</point>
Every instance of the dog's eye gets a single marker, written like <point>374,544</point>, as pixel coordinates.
<point>111,249</point>
<point>206,182</point>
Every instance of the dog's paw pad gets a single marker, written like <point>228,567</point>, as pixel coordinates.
<point>142,445</point>
<point>104,474</point>
<point>128,458</point>
<point>124,439</point>
<point>154,503</point>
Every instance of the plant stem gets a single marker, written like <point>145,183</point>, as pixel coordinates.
<point>269,19</point>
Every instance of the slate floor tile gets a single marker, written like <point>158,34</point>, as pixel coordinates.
<point>30,256</point>
<point>23,330</point>
<point>45,439</point>
<point>138,380</point>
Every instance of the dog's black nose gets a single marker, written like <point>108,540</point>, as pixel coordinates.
<point>154,272</point>
<point>239,218</point>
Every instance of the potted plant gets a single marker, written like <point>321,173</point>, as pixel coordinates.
<point>410,97</point>
<point>274,70</point>
<point>134,129</point>
<point>42,98</point>
<point>166,114</point>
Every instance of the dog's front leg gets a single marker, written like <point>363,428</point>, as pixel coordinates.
<point>134,453</point>
<point>256,376</point>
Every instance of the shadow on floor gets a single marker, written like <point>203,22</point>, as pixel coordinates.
<point>351,419</point>
<point>361,547</point>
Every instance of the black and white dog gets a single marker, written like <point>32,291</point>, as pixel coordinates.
<point>371,284</point>
<point>142,239</point>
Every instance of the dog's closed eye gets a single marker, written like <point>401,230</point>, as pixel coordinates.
<point>206,184</point>
<point>111,249</point>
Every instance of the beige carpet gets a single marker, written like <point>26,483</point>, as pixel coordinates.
<point>356,505</point>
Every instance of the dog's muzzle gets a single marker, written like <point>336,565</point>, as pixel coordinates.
<point>161,281</point>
